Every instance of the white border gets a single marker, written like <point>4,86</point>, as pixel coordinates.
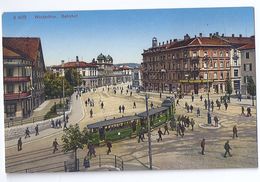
<point>180,175</point>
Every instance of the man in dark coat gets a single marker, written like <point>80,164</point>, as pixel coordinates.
<point>109,146</point>
<point>227,149</point>
<point>166,129</point>
<point>160,135</point>
<point>36,130</point>
<point>205,104</point>
<point>27,133</point>
<point>19,144</point>
<point>202,145</point>
<point>235,131</point>
<point>55,145</point>
<point>91,113</point>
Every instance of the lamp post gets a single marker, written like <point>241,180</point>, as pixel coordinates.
<point>63,94</point>
<point>208,114</point>
<point>149,133</point>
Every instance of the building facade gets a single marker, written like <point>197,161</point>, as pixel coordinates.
<point>122,74</point>
<point>88,72</point>
<point>136,78</point>
<point>191,64</point>
<point>23,71</point>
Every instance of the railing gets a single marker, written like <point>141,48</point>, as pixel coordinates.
<point>17,79</point>
<point>13,96</point>
<point>15,122</point>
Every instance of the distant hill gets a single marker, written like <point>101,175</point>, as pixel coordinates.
<point>132,65</point>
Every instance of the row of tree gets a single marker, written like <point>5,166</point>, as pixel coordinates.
<point>54,83</point>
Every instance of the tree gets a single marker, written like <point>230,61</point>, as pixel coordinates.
<point>251,88</point>
<point>229,87</point>
<point>53,86</point>
<point>73,139</point>
<point>73,77</point>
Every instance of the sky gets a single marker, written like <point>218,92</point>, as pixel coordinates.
<point>123,34</point>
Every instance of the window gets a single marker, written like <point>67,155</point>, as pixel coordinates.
<point>227,65</point>
<point>236,73</point>
<point>11,110</point>
<point>10,72</point>
<point>205,65</point>
<point>205,76</point>
<point>247,67</point>
<point>221,76</point>
<point>235,62</point>
<point>10,88</point>
<point>173,57</point>
<point>83,73</point>
<point>244,67</point>
<point>215,75</point>
<point>250,66</point>
<point>215,65</point>
<point>221,64</point>
<point>245,78</point>
<point>227,54</point>
<point>205,53</point>
<point>185,65</point>
<point>227,74</point>
<point>247,55</point>
<point>215,54</point>
<point>221,54</point>
<point>194,54</point>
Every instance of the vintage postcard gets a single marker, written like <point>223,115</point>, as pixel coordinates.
<point>119,90</point>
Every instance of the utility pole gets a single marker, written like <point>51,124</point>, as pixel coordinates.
<point>149,134</point>
<point>63,94</point>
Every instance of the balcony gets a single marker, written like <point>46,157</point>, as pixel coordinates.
<point>17,79</point>
<point>15,96</point>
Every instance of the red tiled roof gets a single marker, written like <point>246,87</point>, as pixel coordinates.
<point>7,53</point>
<point>247,46</point>
<point>26,47</point>
<point>212,41</point>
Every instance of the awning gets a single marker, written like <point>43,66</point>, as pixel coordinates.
<point>152,112</point>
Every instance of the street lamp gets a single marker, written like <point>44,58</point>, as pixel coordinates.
<point>63,94</point>
<point>208,115</point>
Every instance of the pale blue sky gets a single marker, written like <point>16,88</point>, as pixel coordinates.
<point>122,34</point>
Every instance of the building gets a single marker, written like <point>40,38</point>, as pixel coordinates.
<point>248,63</point>
<point>122,74</point>
<point>88,72</point>
<point>136,78</point>
<point>192,64</point>
<point>23,71</point>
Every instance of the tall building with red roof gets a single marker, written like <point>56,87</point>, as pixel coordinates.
<point>191,64</point>
<point>23,71</point>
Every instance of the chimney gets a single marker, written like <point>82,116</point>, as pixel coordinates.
<point>200,35</point>
<point>167,42</point>
<point>77,58</point>
<point>233,35</point>
<point>159,43</point>
<point>174,40</point>
<point>163,43</point>
<point>240,35</point>
<point>186,37</point>
<point>210,35</point>
<point>217,34</point>
<point>195,36</point>
<point>222,35</point>
<point>170,41</point>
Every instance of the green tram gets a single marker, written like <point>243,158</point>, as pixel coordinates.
<point>130,126</point>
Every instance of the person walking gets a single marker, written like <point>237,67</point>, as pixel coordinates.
<point>201,97</point>
<point>227,149</point>
<point>151,105</point>
<point>120,108</point>
<point>212,105</point>
<point>65,125</point>
<point>134,105</point>
<point>243,111</point>
<point>55,145</point>
<point>216,121</point>
<point>235,131</point>
<point>160,95</point>
<point>192,98</point>
<point>198,112</point>
<point>91,113</point>
<point>248,112</point>
<point>36,130</point>
<point>192,123</point>
<point>202,145</point>
<point>123,109</point>
<point>226,105</point>
<point>166,129</point>
<point>218,104</point>
<point>205,104</point>
<point>160,135</point>
<point>109,146</point>
<point>27,133</point>
<point>19,144</point>
<point>102,105</point>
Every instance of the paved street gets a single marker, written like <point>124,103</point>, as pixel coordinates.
<point>172,153</point>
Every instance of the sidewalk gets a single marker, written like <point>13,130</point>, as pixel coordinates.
<point>76,115</point>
